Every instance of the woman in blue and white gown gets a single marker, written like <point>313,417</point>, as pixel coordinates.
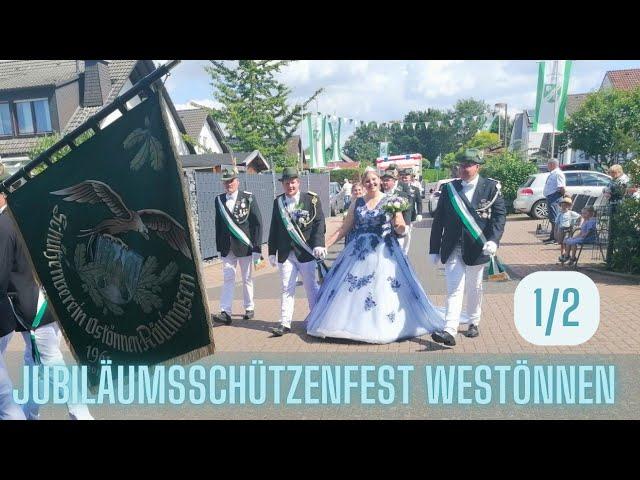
<point>371,292</point>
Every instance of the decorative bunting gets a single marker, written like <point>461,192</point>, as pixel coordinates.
<point>391,124</point>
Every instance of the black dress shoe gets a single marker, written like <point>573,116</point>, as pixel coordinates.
<point>248,315</point>
<point>549,241</point>
<point>472,331</point>
<point>224,317</point>
<point>444,337</point>
<point>280,330</point>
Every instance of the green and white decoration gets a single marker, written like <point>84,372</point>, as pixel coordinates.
<point>551,99</point>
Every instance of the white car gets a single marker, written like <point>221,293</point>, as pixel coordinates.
<point>584,182</point>
<point>434,195</point>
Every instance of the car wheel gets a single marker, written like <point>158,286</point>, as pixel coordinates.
<point>540,210</point>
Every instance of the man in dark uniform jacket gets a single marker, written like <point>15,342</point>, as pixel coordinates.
<point>391,186</point>
<point>18,282</point>
<point>406,178</point>
<point>451,242</point>
<point>304,211</point>
<point>9,250</point>
<point>238,211</point>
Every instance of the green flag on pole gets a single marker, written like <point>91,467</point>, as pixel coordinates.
<point>109,234</point>
<point>551,97</point>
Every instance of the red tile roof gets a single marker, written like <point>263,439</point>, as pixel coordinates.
<point>624,79</point>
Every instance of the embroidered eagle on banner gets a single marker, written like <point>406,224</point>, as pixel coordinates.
<point>126,220</point>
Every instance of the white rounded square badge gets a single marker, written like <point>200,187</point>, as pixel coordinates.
<point>556,308</point>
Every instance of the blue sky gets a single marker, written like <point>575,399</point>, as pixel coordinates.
<point>385,90</point>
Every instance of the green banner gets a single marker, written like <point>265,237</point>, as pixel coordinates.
<point>109,235</point>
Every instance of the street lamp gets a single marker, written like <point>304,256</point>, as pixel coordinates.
<point>500,107</point>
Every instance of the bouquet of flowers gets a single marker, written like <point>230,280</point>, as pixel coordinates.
<point>395,204</point>
<point>299,215</point>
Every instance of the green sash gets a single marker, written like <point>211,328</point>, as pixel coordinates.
<point>42,307</point>
<point>233,227</point>
<point>465,215</point>
<point>297,237</point>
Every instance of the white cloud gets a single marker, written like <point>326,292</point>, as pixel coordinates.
<point>206,102</point>
<point>385,90</point>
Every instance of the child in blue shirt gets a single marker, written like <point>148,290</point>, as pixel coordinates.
<point>587,233</point>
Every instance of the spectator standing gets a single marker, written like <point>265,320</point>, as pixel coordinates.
<point>554,190</point>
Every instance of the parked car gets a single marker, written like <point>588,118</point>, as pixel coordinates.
<point>531,201</point>
<point>336,198</point>
<point>542,168</point>
<point>434,195</point>
<point>576,166</point>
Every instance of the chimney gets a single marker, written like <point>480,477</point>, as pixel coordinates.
<point>97,83</point>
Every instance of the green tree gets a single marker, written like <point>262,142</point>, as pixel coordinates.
<point>429,142</point>
<point>279,162</point>
<point>481,140</point>
<point>438,139</point>
<point>467,109</point>
<point>625,230</point>
<point>364,144</point>
<point>48,141</point>
<point>510,170</point>
<point>255,109</point>
<point>606,126</point>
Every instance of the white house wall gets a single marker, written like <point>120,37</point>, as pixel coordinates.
<point>208,140</point>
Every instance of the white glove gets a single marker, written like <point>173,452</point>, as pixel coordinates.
<point>490,248</point>
<point>320,252</point>
<point>256,257</point>
<point>435,258</point>
<point>418,218</point>
<point>273,261</point>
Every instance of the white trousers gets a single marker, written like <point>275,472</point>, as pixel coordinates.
<point>9,410</point>
<point>229,268</point>
<point>48,341</point>
<point>462,279</point>
<point>405,241</point>
<point>289,270</point>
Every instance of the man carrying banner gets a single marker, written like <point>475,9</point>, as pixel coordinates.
<point>467,228</point>
<point>296,244</point>
<point>390,186</point>
<point>238,239</point>
<point>23,307</point>
<point>9,410</point>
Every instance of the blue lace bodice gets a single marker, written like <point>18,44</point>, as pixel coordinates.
<point>371,221</point>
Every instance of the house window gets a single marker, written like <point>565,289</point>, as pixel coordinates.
<point>25,120</point>
<point>33,116</point>
<point>5,119</point>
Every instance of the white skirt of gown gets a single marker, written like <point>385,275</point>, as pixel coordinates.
<point>371,294</point>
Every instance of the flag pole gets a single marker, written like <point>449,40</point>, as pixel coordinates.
<point>93,123</point>
<point>555,110</point>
